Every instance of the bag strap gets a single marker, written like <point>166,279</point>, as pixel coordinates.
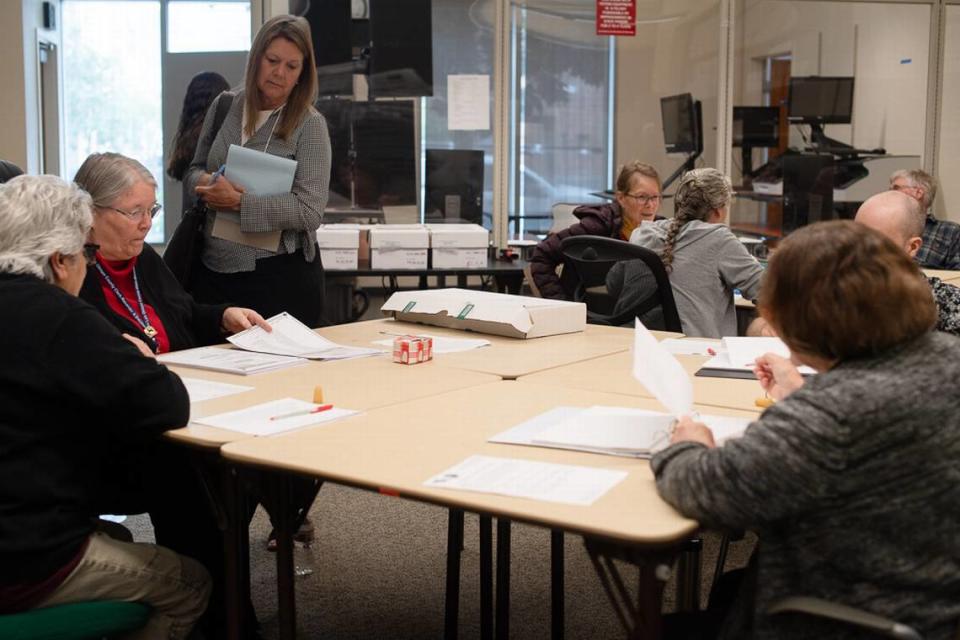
<point>223,106</point>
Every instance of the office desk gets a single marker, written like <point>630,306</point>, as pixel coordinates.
<point>951,277</point>
<point>395,449</point>
<point>508,358</point>
<point>612,374</point>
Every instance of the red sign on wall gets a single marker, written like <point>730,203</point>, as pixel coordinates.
<point>616,17</point>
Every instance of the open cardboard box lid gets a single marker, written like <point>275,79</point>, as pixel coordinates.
<point>487,312</point>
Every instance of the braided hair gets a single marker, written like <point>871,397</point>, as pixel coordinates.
<point>700,192</point>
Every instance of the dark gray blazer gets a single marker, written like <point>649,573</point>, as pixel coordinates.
<point>852,484</point>
<point>297,214</point>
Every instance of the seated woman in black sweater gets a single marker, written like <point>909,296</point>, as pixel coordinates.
<point>850,479</point>
<point>74,394</point>
<point>129,283</point>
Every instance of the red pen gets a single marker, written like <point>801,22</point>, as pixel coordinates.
<point>305,412</point>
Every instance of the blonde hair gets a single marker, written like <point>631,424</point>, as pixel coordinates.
<point>296,30</point>
<point>700,192</point>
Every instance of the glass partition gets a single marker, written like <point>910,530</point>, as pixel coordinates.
<point>828,152</point>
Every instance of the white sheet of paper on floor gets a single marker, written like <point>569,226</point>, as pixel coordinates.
<point>567,484</point>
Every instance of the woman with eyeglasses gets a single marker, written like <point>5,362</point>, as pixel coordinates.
<point>705,261</point>
<point>129,282</point>
<point>75,397</point>
<point>637,200</point>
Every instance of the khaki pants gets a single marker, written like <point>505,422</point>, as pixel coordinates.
<point>174,586</point>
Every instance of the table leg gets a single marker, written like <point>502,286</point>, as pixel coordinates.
<point>286,596</point>
<point>236,539</point>
<point>486,577</point>
<point>462,280</point>
<point>503,579</point>
<point>509,283</point>
<point>556,585</point>
<point>454,549</point>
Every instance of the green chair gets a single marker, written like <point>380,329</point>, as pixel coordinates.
<point>75,621</point>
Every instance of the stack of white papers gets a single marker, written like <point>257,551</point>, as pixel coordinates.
<point>275,417</point>
<point>201,390</point>
<point>290,337</point>
<point>228,360</point>
<point>619,431</point>
<point>443,344</point>
<point>739,354</point>
<point>567,484</point>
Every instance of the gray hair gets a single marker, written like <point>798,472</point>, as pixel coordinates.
<point>107,176</point>
<point>40,216</point>
<point>920,179</point>
<point>700,192</point>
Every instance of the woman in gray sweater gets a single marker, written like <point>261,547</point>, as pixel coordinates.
<point>851,479</point>
<point>705,260</point>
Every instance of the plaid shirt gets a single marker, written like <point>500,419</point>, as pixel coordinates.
<point>941,244</point>
<point>948,306</point>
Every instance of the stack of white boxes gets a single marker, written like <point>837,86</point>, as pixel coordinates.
<point>403,246</point>
<point>399,246</point>
<point>458,246</point>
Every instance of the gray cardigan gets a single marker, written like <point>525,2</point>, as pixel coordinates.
<point>853,485</point>
<point>298,213</point>
<point>708,264</point>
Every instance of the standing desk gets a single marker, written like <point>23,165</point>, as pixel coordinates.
<point>347,383</point>
<point>508,358</point>
<point>395,449</point>
<point>612,374</point>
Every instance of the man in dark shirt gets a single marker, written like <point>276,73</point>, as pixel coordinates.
<point>941,238</point>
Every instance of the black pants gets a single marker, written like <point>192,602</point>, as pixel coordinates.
<point>280,283</point>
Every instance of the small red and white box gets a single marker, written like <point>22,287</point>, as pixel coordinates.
<point>412,349</point>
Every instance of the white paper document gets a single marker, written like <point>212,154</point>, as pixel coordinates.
<point>442,344</point>
<point>229,360</point>
<point>468,102</point>
<point>567,484</point>
<point>691,347</point>
<point>663,376</point>
<point>275,417</point>
<point>290,337</point>
<point>740,353</point>
<point>201,390</point>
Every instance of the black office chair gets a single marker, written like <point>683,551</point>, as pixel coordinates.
<point>588,259</point>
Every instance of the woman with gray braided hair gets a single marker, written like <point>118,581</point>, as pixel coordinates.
<point>705,260</point>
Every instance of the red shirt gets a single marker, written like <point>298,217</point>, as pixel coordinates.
<point>121,273</point>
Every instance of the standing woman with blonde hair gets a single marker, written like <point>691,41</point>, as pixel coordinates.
<point>705,260</point>
<point>273,113</point>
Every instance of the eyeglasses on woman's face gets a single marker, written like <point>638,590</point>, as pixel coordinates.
<point>136,214</point>
<point>90,253</point>
<point>643,199</point>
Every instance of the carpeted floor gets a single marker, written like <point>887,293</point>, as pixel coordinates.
<point>377,570</point>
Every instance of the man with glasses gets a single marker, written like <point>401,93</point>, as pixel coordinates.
<point>941,238</point>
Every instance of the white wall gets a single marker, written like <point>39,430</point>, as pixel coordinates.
<point>13,141</point>
<point>948,203</point>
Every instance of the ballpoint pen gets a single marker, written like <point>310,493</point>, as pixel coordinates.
<point>304,412</point>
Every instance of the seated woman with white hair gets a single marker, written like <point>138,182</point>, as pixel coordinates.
<point>70,385</point>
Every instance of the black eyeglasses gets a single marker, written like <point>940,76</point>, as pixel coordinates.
<point>643,199</point>
<point>90,253</point>
<point>136,215</point>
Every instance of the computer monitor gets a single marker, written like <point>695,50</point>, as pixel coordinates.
<point>821,100</point>
<point>680,129</point>
<point>401,62</point>
<point>756,127</point>
<point>454,185</point>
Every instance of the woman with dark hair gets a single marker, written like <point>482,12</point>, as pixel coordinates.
<point>705,260</point>
<point>637,200</point>
<point>850,479</point>
<point>201,92</point>
<point>274,114</point>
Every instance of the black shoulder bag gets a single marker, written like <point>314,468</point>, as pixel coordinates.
<point>182,254</point>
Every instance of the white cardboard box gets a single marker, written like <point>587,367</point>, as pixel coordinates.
<point>487,312</point>
<point>399,246</point>
<point>339,246</point>
<point>458,245</point>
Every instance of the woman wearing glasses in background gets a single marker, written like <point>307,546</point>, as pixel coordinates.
<point>637,200</point>
<point>129,283</point>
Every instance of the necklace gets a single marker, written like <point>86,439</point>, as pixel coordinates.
<point>142,319</point>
